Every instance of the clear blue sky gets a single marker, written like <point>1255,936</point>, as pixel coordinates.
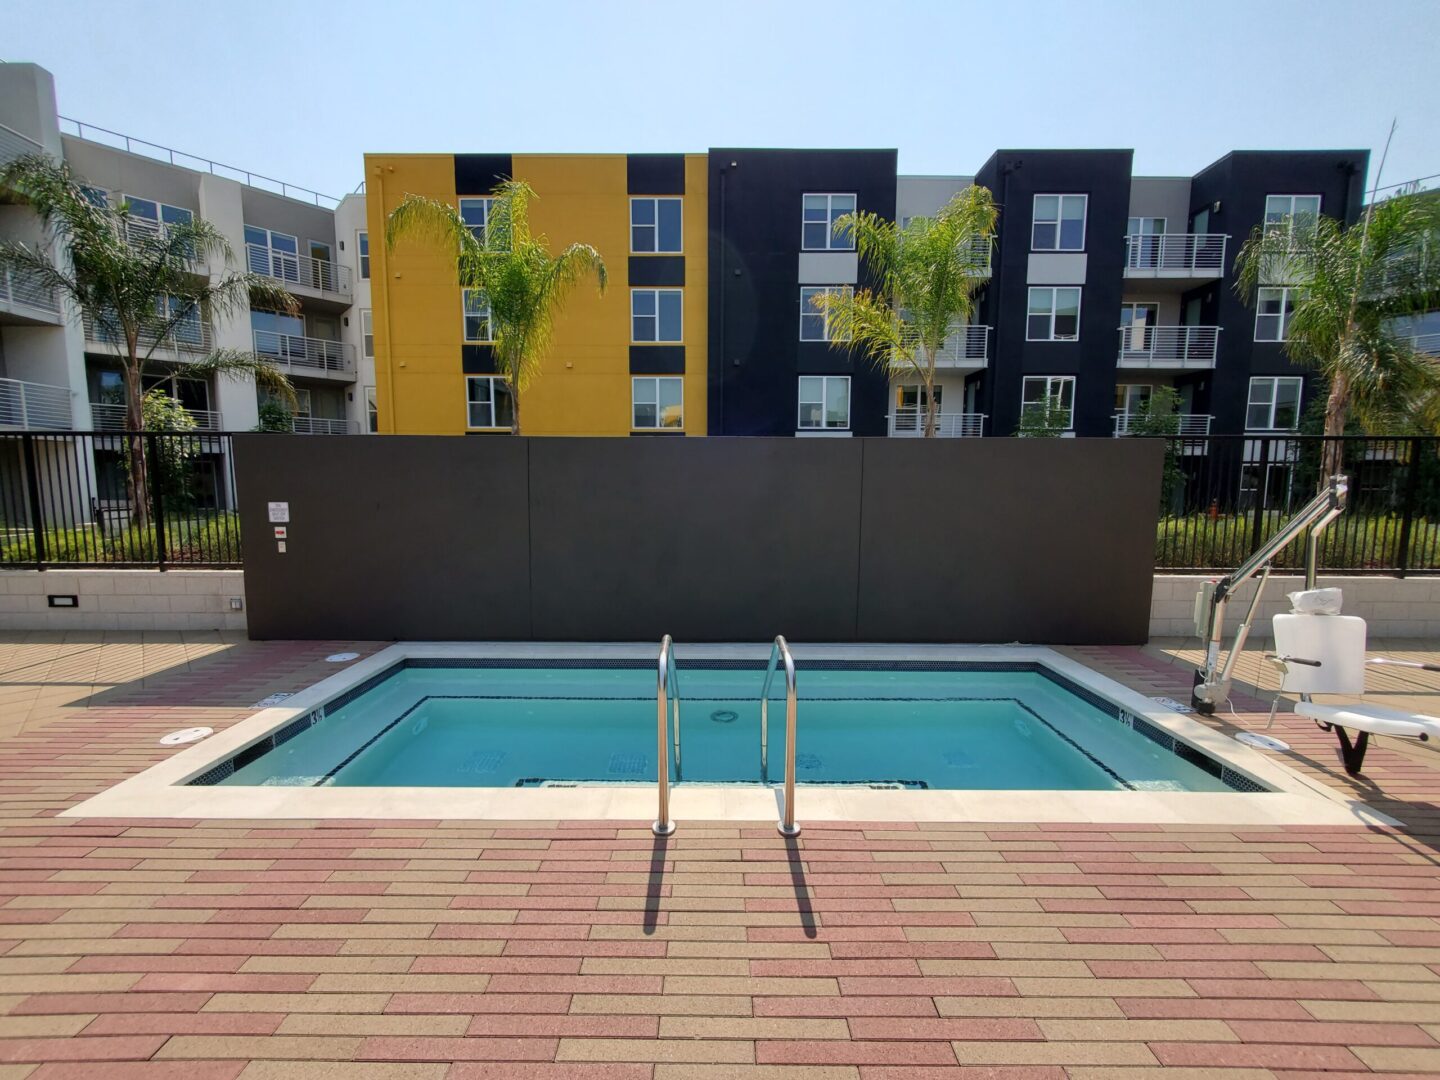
<point>300,89</point>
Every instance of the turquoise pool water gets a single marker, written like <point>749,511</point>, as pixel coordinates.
<point>954,728</point>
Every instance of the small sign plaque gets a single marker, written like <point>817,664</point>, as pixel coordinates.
<point>279,512</point>
<point>281,532</point>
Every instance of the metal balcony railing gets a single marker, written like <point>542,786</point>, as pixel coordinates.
<point>190,337</point>
<point>28,406</point>
<point>106,416</point>
<point>1175,254</point>
<point>305,355</point>
<point>1427,343</point>
<point>1175,347</point>
<point>910,423</point>
<point>981,249</point>
<point>1190,424</point>
<point>299,270</point>
<point>967,346</point>
<point>25,290</point>
<point>13,145</point>
<point>316,425</point>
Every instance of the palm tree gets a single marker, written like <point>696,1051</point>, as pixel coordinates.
<point>523,284</point>
<point>1350,291</point>
<point>144,288</point>
<point>928,274</point>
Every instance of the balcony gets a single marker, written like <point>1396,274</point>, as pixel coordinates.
<point>1191,424</point>
<point>306,356</point>
<point>25,300</point>
<point>1168,348</point>
<point>966,347</point>
<point>981,248</point>
<point>314,276</point>
<point>28,406</point>
<point>909,423</point>
<point>1429,344</point>
<point>191,338</point>
<point>142,233</point>
<point>316,425</point>
<point>110,417</point>
<point>13,145</point>
<point>1178,257</point>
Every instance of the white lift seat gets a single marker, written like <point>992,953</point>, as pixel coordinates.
<point>1325,654</point>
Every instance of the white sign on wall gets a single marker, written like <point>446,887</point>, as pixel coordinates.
<point>279,512</point>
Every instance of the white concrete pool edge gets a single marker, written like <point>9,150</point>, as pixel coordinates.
<point>161,791</point>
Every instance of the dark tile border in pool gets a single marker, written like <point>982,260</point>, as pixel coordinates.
<point>1232,779</point>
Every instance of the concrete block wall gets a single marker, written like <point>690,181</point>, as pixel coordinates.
<point>1392,607</point>
<point>122,599</point>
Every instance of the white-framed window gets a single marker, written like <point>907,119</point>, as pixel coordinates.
<point>475,212</point>
<point>476,308</point>
<point>367,332</point>
<point>1292,215</point>
<point>1130,398</point>
<point>1053,314</point>
<point>1274,308</point>
<point>1060,389</point>
<point>304,406</point>
<point>1058,223</point>
<point>657,402</point>
<point>274,254</point>
<point>824,403</point>
<point>372,411</point>
<point>656,315</point>
<point>187,328</point>
<point>815,325</point>
<point>145,212</point>
<point>656,226</point>
<point>818,215</point>
<point>1274,403</point>
<point>488,402</point>
<point>362,252</point>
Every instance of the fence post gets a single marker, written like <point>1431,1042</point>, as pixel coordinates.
<point>1262,483</point>
<point>32,482</point>
<point>157,501</point>
<point>1412,490</point>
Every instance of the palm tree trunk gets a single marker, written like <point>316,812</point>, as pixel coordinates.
<point>932,411</point>
<point>1337,413</point>
<point>514,409</point>
<point>136,486</point>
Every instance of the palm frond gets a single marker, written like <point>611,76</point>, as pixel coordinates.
<point>239,364</point>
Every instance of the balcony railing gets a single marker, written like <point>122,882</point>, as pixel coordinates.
<point>909,423</point>
<point>106,416</point>
<point>981,248</point>
<point>1175,347</point>
<point>193,337</point>
<point>13,145</point>
<point>305,355</point>
<point>316,425</point>
<point>28,405</point>
<point>1427,343</point>
<point>1190,424</point>
<point>967,346</point>
<point>17,288</point>
<point>1175,255</point>
<point>298,270</point>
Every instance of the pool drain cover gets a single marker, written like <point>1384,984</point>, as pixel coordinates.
<point>1264,742</point>
<point>189,735</point>
<point>627,764</point>
<point>341,657</point>
<point>724,716</point>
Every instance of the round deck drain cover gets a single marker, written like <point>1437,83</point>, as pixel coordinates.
<point>341,657</point>
<point>724,716</point>
<point>1263,742</point>
<point>180,738</point>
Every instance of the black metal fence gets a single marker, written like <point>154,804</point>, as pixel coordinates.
<point>79,499</point>
<point>1224,495</point>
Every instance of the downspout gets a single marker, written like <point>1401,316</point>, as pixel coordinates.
<point>382,249</point>
<point>998,281</point>
<point>720,402</point>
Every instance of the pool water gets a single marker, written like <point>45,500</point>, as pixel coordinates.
<point>527,726</point>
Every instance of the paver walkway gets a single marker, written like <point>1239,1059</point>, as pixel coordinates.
<point>368,950</point>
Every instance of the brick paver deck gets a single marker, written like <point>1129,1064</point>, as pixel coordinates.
<point>368,950</point>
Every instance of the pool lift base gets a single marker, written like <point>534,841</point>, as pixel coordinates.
<point>789,832</point>
<point>662,828</point>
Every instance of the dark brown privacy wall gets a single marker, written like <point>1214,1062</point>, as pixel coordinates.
<point>487,538</point>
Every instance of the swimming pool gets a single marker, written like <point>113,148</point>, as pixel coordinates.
<point>910,725</point>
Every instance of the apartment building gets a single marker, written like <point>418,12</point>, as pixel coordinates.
<point>61,371</point>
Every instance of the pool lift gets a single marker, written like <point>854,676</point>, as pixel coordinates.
<point>1212,680</point>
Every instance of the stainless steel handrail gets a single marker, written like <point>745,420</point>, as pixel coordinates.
<point>778,652</point>
<point>667,700</point>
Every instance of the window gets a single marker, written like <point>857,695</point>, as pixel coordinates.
<point>187,329</point>
<point>362,247</point>
<point>655,315</point>
<point>817,223</point>
<point>1274,403</point>
<point>814,323</point>
<point>273,254</point>
<point>824,402</point>
<point>1054,315</point>
<point>657,403</point>
<point>1294,215</point>
<point>477,315</point>
<point>476,214</point>
<point>488,401</point>
<point>1130,398</point>
<point>372,411</point>
<point>1058,223</point>
<point>1060,389</point>
<point>157,214</point>
<point>1273,310</point>
<point>367,332</point>
<point>97,196</point>
<point>655,226</point>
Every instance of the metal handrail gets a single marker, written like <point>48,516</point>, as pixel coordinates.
<point>778,652</point>
<point>667,699</point>
<point>295,269</point>
<point>1198,253</point>
<point>908,420</point>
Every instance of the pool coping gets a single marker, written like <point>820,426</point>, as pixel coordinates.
<point>163,789</point>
